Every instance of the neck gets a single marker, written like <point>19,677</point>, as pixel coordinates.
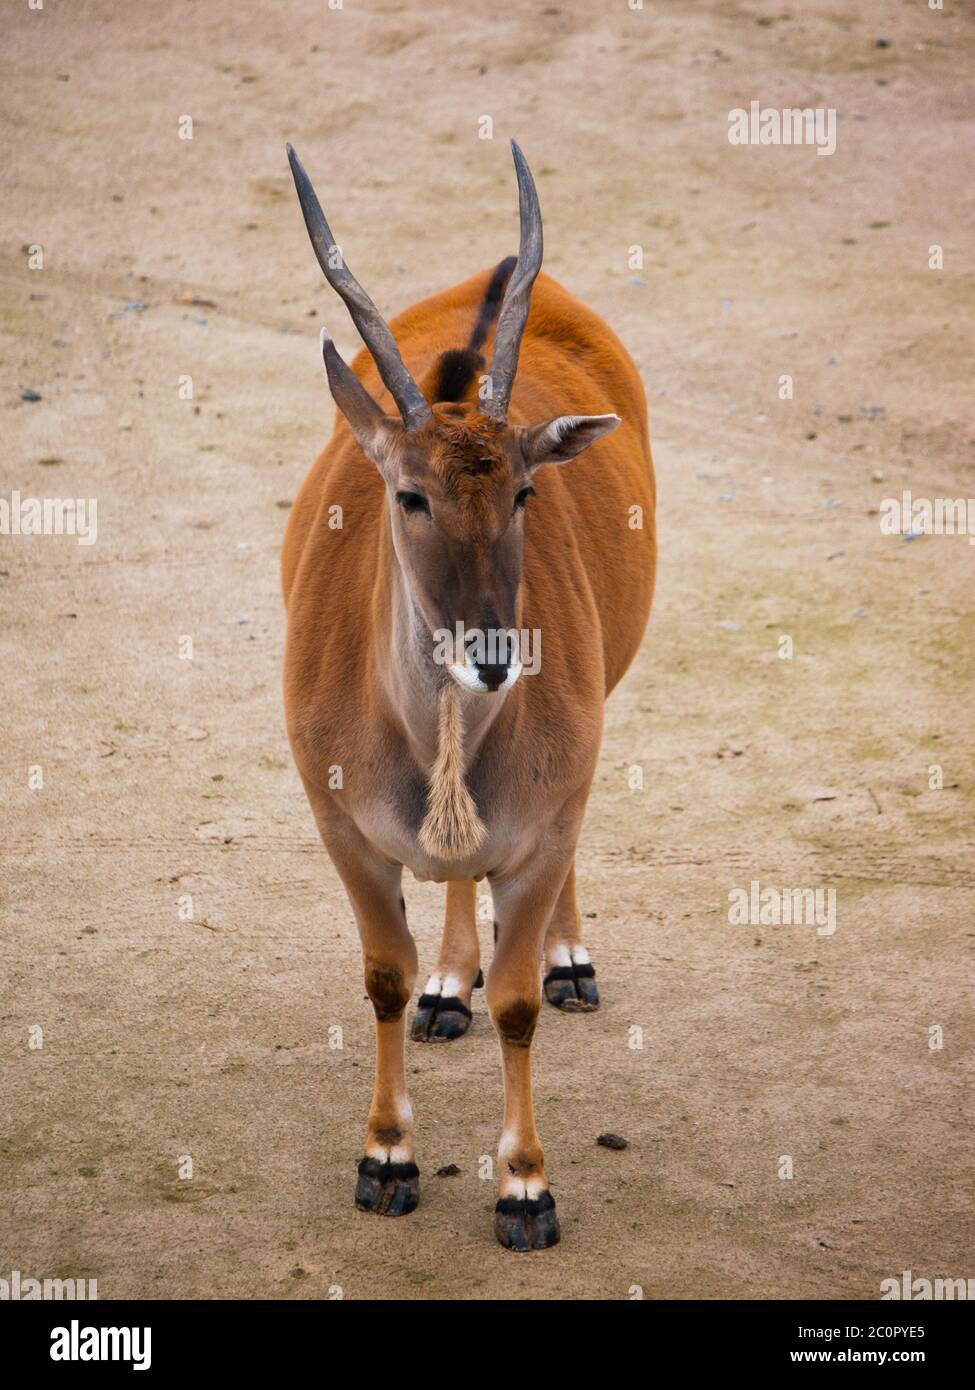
<point>413,683</point>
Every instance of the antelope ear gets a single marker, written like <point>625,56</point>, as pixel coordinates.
<point>564,437</point>
<point>374,432</point>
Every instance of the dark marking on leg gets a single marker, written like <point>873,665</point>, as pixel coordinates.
<point>516,1022</point>
<point>389,1136</point>
<point>387,990</point>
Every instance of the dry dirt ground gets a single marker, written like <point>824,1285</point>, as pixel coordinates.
<point>166,777</point>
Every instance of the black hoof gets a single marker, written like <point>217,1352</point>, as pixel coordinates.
<point>439,1020</point>
<point>521,1223</point>
<point>389,1189</point>
<point>572,988</point>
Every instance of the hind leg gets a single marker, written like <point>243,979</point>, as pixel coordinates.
<point>570,980</point>
<point>444,1008</point>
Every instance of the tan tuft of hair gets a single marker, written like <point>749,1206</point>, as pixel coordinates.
<point>452,829</point>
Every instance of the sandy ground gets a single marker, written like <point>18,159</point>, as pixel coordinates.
<point>165,777</point>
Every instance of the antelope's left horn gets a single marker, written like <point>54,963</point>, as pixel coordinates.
<point>373,328</point>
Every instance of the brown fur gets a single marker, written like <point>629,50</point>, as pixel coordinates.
<point>428,786</point>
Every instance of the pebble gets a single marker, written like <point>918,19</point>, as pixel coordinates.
<point>612,1141</point>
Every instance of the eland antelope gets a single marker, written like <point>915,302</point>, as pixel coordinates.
<point>445,504</point>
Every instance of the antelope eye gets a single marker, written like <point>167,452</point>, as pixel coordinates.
<point>413,502</point>
<point>523,497</point>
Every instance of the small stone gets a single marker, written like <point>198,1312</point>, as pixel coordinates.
<point>30,395</point>
<point>612,1141</point>
<point>449,1170</point>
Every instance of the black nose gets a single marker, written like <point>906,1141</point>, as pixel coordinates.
<point>493,676</point>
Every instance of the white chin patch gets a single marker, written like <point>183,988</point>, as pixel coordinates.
<point>468,677</point>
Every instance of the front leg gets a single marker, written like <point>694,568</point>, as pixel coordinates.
<point>525,1216</point>
<point>388,1180</point>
